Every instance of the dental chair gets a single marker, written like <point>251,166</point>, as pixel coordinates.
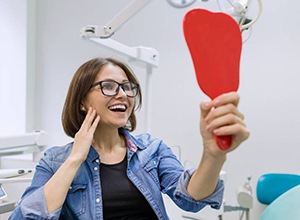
<point>281,192</point>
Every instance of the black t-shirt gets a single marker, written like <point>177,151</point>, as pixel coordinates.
<point>121,199</point>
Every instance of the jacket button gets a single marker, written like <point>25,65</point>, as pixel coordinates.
<point>97,200</point>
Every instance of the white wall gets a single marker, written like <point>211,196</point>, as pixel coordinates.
<point>15,76</point>
<point>12,67</point>
<point>269,85</point>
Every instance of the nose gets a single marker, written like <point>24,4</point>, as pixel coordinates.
<point>120,92</point>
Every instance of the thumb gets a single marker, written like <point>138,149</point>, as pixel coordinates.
<point>205,107</point>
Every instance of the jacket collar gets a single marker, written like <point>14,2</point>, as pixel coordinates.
<point>132,144</point>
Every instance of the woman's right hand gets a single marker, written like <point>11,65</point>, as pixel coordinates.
<point>221,117</point>
<point>84,137</point>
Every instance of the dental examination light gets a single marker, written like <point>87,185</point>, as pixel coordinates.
<point>239,9</point>
<point>141,56</point>
<point>236,8</point>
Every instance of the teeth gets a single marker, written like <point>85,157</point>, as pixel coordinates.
<point>121,107</point>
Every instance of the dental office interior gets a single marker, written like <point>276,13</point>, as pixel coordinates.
<point>43,43</point>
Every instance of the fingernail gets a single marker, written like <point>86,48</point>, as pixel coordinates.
<point>206,103</point>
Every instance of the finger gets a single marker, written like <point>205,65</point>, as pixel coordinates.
<point>226,120</point>
<point>238,133</point>
<point>223,111</point>
<point>232,129</point>
<point>95,123</point>
<point>226,98</point>
<point>205,108</point>
<point>89,118</point>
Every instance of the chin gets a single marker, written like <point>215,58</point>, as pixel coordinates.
<point>120,125</point>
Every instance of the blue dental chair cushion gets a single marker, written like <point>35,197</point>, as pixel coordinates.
<point>270,186</point>
<point>285,207</point>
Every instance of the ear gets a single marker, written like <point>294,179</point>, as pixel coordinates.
<point>82,108</point>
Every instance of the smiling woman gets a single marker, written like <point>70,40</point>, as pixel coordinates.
<point>107,172</point>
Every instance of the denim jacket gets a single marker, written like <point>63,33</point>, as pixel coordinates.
<point>152,168</point>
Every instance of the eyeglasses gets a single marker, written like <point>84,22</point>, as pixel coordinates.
<point>111,88</point>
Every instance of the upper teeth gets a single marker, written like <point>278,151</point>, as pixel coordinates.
<point>117,107</point>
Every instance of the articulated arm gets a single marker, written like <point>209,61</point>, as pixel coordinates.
<point>109,29</point>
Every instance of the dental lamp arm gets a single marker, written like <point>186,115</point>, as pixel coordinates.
<point>109,29</point>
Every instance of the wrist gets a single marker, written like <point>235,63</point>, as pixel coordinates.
<point>72,160</point>
<point>212,159</point>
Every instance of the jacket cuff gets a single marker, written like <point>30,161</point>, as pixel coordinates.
<point>34,206</point>
<point>214,200</point>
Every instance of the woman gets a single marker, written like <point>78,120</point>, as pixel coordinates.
<point>107,173</point>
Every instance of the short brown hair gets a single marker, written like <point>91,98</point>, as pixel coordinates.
<point>72,115</point>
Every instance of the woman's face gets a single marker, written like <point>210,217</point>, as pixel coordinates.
<point>114,111</point>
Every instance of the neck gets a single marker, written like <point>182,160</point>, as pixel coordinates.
<point>107,139</point>
<point>110,145</point>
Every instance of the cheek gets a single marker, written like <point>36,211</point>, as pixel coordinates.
<point>95,100</point>
<point>131,105</point>
<point>88,101</point>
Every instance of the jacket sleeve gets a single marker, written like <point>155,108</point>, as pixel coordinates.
<point>33,204</point>
<point>174,182</point>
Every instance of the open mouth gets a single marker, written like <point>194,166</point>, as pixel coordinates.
<point>118,108</point>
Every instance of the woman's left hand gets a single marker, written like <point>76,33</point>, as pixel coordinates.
<point>221,117</point>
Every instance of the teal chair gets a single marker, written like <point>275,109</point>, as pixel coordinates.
<point>281,192</point>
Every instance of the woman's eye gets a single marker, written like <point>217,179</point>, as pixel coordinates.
<point>107,86</point>
<point>126,87</point>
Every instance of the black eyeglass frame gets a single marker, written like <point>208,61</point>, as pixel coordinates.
<point>133,85</point>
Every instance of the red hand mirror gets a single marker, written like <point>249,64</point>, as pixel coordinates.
<point>215,42</point>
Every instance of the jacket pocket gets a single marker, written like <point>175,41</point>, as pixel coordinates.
<point>151,167</point>
<point>76,199</point>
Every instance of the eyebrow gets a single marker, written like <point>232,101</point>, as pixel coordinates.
<point>109,79</point>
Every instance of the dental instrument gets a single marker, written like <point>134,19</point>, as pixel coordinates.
<point>9,173</point>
